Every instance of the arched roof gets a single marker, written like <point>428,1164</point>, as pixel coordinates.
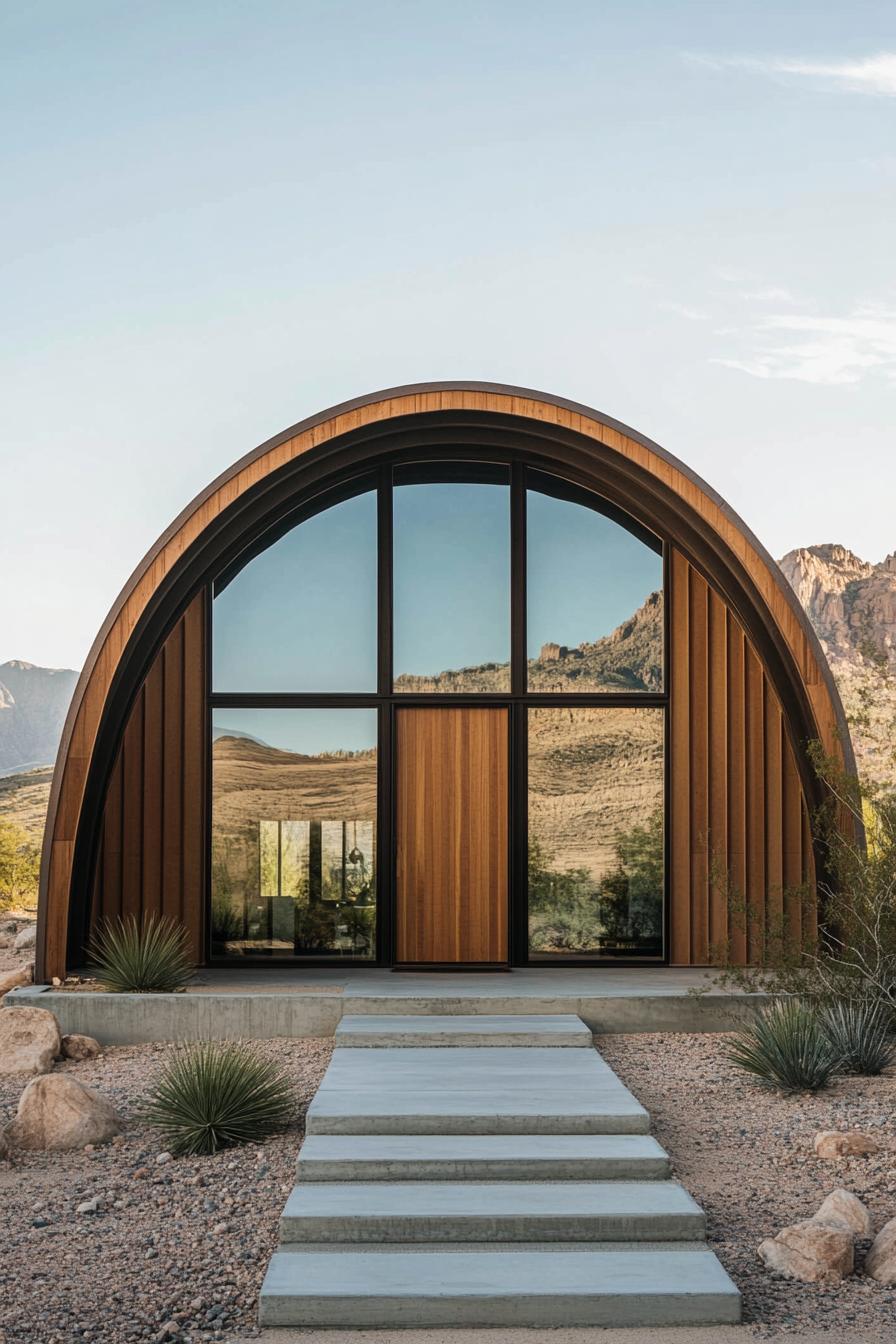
<point>652,484</point>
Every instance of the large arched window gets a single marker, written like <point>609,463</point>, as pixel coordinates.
<point>457,583</point>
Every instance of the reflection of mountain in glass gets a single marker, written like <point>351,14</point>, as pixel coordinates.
<point>628,659</point>
<point>595,831</point>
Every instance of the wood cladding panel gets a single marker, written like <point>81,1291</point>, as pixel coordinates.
<point>740,841</point>
<point>150,858</point>
<point>451,823</point>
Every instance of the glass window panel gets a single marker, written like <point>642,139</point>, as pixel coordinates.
<point>294,833</point>
<point>596,788</point>
<point>594,601</point>
<point>451,605</point>
<point>302,615</point>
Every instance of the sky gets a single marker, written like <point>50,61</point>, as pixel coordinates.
<point>219,218</point>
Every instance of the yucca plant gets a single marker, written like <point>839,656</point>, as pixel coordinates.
<point>861,1035</point>
<point>151,955</point>
<point>217,1095</point>
<point>786,1047</point>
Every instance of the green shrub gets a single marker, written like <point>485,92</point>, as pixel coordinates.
<point>213,1096</point>
<point>19,867</point>
<point>860,1032</point>
<point>786,1047</point>
<point>132,957</point>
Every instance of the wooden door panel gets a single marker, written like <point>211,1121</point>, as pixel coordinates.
<point>451,822</point>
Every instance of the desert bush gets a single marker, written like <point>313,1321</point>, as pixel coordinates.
<point>151,955</point>
<point>227,923</point>
<point>786,1047</point>
<point>861,1034</point>
<point>217,1095</point>
<point>19,867</point>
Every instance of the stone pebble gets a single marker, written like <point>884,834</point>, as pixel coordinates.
<point>148,1259</point>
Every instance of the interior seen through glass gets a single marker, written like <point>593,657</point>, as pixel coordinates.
<point>294,833</point>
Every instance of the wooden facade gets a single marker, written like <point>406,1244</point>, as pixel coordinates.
<point>151,849</point>
<point>126,829</point>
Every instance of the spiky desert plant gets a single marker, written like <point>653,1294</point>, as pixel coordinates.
<point>216,1095</point>
<point>786,1047</point>
<point>151,955</point>
<point>861,1034</point>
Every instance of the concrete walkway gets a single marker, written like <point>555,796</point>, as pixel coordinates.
<point>510,1182</point>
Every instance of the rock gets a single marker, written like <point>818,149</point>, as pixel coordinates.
<point>89,1206</point>
<point>29,1040</point>
<point>22,975</point>
<point>162,1159</point>
<point>880,1262</point>
<point>57,1112</point>
<point>26,938</point>
<point>842,1206</point>
<point>832,1143</point>
<point>80,1047</point>
<point>810,1251</point>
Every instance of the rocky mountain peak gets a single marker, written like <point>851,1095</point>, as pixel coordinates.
<point>852,606</point>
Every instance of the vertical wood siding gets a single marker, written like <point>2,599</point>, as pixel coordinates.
<point>151,854</point>
<point>740,836</point>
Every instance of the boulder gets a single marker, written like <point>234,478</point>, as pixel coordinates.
<point>880,1262</point>
<point>22,975</point>
<point>832,1143</point>
<point>29,1040</point>
<point>80,1047</point>
<point>842,1206</point>
<point>810,1251</point>
<point>57,1112</point>
<point>26,938</point>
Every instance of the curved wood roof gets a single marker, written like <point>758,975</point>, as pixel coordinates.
<point>164,581</point>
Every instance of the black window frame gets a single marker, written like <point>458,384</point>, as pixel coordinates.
<point>446,463</point>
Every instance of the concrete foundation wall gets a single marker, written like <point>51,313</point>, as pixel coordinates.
<point>127,1019</point>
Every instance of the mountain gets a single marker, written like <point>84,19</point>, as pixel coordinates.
<point>628,659</point>
<point>852,605</point>
<point>33,705</point>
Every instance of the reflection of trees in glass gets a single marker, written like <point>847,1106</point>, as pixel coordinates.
<point>572,912</point>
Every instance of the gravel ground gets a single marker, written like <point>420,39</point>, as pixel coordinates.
<point>746,1155</point>
<point>185,1241</point>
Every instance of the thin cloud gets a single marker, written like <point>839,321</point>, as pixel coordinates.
<point>872,74</point>
<point>825,351</point>
<point>684,310</point>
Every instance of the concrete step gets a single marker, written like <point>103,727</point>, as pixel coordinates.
<point>497,1285</point>
<point>485,1157</point>
<point>396,1029</point>
<point>501,1210</point>
<point>472,1090</point>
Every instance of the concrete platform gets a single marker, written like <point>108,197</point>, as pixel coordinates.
<point>522,1029</point>
<point>260,1003</point>
<point>498,1285</point>
<point>472,1090</point>
<point>485,1157</point>
<point>447,1211</point>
